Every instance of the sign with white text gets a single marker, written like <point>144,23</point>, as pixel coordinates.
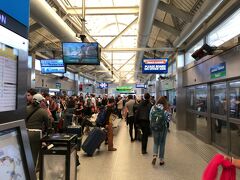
<point>155,66</point>
<point>218,71</point>
<point>103,85</point>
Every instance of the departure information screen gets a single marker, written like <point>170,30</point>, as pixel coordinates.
<point>8,77</point>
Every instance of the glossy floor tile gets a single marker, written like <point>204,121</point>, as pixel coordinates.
<point>185,159</point>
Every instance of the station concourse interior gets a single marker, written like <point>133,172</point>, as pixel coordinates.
<point>187,51</point>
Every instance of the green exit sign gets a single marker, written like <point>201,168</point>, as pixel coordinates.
<point>124,88</point>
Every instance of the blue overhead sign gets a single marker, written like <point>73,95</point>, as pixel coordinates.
<point>103,85</point>
<point>18,10</point>
<point>141,85</point>
<point>155,66</point>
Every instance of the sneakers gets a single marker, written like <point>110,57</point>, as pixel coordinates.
<point>161,163</point>
<point>144,152</point>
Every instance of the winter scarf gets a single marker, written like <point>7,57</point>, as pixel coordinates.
<point>228,172</point>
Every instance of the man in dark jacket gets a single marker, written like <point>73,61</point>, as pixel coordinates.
<point>142,117</point>
<point>37,117</point>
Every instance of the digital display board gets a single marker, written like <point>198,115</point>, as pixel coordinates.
<point>8,77</point>
<point>155,66</point>
<point>80,53</point>
<point>49,66</point>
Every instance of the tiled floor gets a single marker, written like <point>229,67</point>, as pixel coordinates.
<point>185,158</point>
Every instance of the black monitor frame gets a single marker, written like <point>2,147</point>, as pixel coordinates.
<point>26,153</point>
<point>98,54</point>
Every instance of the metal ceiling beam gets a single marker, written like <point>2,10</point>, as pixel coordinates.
<point>137,49</point>
<point>187,17</point>
<point>76,11</point>
<point>121,33</point>
<point>126,62</point>
<point>107,35</point>
<point>34,27</point>
<point>166,27</point>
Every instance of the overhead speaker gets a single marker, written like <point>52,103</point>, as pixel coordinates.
<point>203,51</point>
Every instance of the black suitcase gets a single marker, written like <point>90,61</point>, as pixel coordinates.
<point>93,141</point>
<point>78,131</point>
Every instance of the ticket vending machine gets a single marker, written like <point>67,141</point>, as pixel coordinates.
<point>15,154</point>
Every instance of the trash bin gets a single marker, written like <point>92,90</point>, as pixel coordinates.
<point>58,157</point>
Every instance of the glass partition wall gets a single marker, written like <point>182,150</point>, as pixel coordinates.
<point>219,114</point>
<point>197,110</point>
<point>222,118</point>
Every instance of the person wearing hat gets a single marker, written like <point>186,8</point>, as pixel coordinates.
<point>37,117</point>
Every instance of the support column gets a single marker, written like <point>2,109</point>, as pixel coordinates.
<point>31,72</point>
<point>181,96</point>
<point>157,87</point>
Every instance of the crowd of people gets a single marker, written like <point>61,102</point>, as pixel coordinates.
<point>143,115</point>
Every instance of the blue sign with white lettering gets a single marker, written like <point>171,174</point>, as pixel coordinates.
<point>103,85</point>
<point>155,66</point>
<point>140,85</point>
<point>19,10</point>
<point>218,71</point>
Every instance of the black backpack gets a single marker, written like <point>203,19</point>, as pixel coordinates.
<point>101,118</point>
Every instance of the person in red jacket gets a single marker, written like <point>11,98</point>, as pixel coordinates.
<point>235,162</point>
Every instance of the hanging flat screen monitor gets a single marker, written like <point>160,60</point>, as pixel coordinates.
<point>49,66</point>
<point>80,53</point>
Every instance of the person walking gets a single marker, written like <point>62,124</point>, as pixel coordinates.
<point>130,117</point>
<point>142,118</point>
<point>159,116</point>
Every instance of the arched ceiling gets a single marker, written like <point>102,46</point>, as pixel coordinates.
<point>114,25</point>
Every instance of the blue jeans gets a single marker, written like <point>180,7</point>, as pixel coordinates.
<point>159,139</point>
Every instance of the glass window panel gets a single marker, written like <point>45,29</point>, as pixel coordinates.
<point>174,67</point>
<point>37,65</point>
<point>170,69</point>
<point>201,98</point>
<point>218,100</point>
<point>188,55</point>
<point>234,99</point>
<point>180,59</point>
<point>219,132</point>
<point>190,98</point>
<point>201,123</point>
<point>225,31</point>
<point>235,138</point>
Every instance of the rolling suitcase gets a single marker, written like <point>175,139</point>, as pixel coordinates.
<point>93,141</point>
<point>77,129</point>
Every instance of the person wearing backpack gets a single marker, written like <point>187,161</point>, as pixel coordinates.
<point>101,118</point>
<point>159,116</point>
